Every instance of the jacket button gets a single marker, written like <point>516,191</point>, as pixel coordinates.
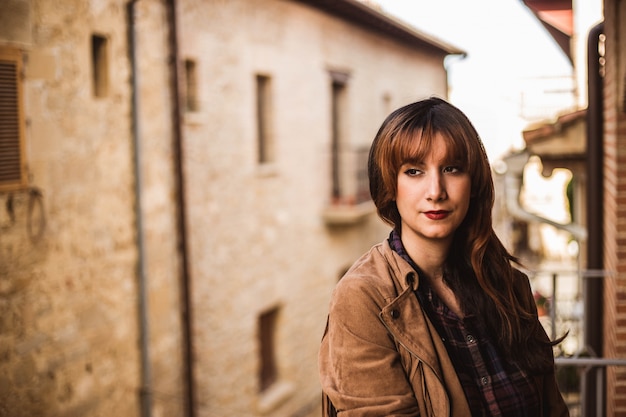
<point>410,278</point>
<point>394,314</point>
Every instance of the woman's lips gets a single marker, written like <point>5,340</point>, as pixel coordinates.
<point>437,214</point>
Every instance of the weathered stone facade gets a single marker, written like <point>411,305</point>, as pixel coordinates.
<point>93,261</point>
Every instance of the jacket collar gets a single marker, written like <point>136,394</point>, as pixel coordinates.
<point>405,317</point>
<point>403,273</point>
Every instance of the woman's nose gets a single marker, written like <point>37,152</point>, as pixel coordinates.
<point>436,188</point>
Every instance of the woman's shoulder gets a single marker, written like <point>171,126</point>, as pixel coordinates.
<point>371,267</point>
<point>376,273</point>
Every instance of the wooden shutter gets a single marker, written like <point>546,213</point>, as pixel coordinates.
<point>12,166</point>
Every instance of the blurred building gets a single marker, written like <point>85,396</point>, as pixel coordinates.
<point>181,186</point>
<point>591,141</point>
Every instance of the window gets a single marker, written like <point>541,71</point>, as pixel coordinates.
<point>268,373</point>
<point>99,65</point>
<point>349,197</point>
<point>265,138</point>
<point>12,159</point>
<point>338,104</point>
<point>191,86</point>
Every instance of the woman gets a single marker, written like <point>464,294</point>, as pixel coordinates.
<point>435,320</point>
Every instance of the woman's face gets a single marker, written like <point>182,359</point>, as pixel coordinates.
<point>432,197</point>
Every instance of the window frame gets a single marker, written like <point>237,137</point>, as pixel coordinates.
<point>268,366</point>
<point>190,95</point>
<point>338,141</point>
<point>266,146</point>
<point>100,46</point>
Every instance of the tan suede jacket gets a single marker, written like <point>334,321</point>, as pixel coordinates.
<point>380,354</point>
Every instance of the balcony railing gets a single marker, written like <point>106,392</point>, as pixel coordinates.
<point>561,310</point>
<point>350,200</point>
<point>584,366</point>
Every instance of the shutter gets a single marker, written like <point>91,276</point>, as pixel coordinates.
<point>12,171</point>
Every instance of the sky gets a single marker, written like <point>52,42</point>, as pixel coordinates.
<point>511,60</point>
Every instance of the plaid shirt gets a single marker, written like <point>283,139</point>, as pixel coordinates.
<point>491,388</point>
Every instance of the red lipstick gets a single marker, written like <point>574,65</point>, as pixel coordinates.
<point>437,214</point>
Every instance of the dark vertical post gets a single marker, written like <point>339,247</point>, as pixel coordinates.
<point>593,285</point>
<point>181,200</point>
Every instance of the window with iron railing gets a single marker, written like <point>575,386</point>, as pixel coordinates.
<point>349,194</point>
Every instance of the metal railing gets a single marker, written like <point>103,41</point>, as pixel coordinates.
<point>558,321</point>
<point>598,365</point>
<point>350,181</point>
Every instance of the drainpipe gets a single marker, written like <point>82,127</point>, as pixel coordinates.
<point>186,301</point>
<point>593,287</point>
<point>145,392</point>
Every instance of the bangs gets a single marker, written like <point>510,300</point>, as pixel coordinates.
<point>413,145</point>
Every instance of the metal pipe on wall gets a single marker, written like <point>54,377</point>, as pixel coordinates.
<point>593,288</point>
<point>145,393</point>
<point>185,287</point>
<point>146,367</point>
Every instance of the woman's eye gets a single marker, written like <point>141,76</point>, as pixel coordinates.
<point>452,169</point>
<point>412,171</point>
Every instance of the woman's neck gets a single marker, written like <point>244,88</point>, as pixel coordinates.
<point>431,262</point>
<point>430,258</point>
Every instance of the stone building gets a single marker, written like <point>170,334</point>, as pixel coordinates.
<point>181,185</point>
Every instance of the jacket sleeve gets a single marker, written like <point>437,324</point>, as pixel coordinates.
<point>360,368</point>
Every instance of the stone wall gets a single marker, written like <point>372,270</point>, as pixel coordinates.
<point>268,245</point>
<point>70,267</point>
<point>69,299</point>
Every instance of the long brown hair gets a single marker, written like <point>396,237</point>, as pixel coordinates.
<point>479,268</point>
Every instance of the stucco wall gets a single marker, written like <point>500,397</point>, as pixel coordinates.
<point>267,244</point>
<point>69,300</point>
<point>69,288</point>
